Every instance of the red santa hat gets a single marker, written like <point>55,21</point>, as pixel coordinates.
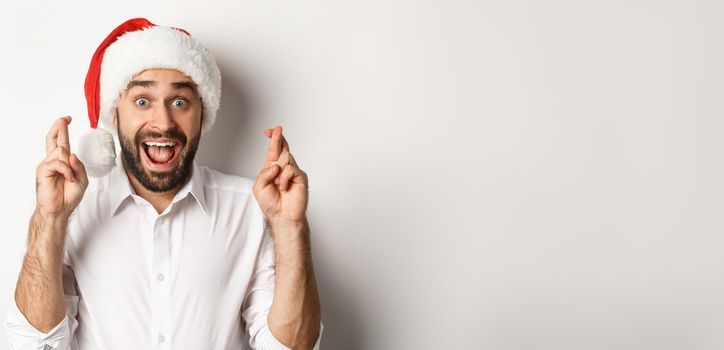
<point>134,46</point>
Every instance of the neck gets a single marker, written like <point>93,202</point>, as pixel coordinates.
<point>159,200</point>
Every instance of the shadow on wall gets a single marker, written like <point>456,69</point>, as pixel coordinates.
<point>343,328</point>
<point>222,149</point>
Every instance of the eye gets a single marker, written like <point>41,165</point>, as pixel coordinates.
<point>141,102</point>
<point>179,102</point>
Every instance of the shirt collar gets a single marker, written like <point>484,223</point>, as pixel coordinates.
<point>121,189</point>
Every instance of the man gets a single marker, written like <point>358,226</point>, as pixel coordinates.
<point>158,252</point>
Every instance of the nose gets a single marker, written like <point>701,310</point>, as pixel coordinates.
<point>162,118</point>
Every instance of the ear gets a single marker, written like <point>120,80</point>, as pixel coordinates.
<point>202,112</point>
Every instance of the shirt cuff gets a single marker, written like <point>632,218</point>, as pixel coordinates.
<point>275,344</point>
<point>23,335</point>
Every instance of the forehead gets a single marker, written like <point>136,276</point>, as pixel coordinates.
<point>159,78</point>
<point>162,74</point>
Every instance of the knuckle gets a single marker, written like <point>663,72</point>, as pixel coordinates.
<point>54,163</point>
<point>59,164</point>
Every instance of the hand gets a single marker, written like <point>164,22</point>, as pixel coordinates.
<point>60,178</point>
<point>281,188</point>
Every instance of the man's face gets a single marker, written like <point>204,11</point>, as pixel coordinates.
<point>159,126</point>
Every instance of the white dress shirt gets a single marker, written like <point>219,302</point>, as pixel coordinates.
<point>194,277</point>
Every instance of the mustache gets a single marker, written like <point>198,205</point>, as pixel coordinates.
<point>173,134</point>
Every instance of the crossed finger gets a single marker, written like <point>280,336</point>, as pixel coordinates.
<point>285,145</point>
<point>58,135</point>
<point>60,153</point>
<point>277,144</point>
<point>278,152</point>
<point>286,158</point>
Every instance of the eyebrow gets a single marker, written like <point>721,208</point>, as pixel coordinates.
<point>177,85</point>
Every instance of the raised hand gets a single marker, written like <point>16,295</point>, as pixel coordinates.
<point>281,188</point>
<point>60,178</point>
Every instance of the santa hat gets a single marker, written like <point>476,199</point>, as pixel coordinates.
<point>134,46</point>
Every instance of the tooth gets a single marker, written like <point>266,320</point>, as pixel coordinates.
<point>160,144</point>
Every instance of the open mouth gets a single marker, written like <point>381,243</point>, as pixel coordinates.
<point>161,155</point>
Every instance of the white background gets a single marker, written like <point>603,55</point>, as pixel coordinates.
<point>484,174</point>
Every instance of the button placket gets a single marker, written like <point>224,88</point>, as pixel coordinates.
<point>161,288</point>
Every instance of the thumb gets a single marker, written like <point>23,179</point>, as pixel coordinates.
<point>267,175</point>
<point>79,169</point>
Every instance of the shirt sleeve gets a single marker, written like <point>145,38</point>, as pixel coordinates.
<point>259,297</point>
<point>23,336</point>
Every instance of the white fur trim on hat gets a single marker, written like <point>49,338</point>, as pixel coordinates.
<point>157,47</point>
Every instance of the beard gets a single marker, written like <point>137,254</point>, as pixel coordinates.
<point>152,180</point>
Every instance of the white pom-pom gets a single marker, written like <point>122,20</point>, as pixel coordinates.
<point>97,151</point>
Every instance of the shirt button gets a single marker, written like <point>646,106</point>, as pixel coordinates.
<point>161,338</point>
<point>160,277</point>
<point>160,221</point>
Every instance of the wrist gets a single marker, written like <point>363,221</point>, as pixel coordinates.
<point>50,218</point>
<point>48,227</point>
<point>289,225</point>
<point>286,232</point>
